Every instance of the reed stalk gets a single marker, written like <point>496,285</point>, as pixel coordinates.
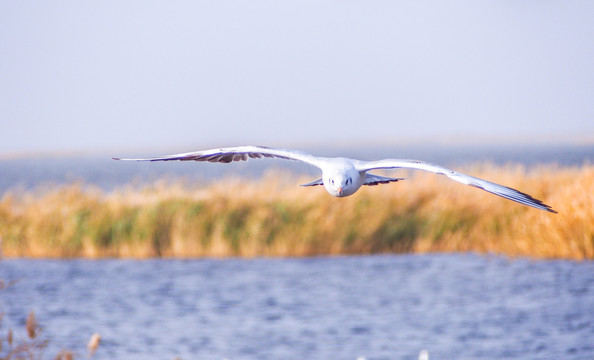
<point>274,217</point>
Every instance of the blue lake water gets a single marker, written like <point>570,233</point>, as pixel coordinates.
<point>377,307</point>
<point>100,170</point>
<point>455,306</point>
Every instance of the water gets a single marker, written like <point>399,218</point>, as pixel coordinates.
<point>100,170</point>
<point>380,307</point>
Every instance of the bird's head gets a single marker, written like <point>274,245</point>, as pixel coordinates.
<point>339,185</point>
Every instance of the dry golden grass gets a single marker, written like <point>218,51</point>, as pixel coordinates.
<point>274,217</point>
<point>33,345</point>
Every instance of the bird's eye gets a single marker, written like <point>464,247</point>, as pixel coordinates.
<point>349,180</point>
<point>332,181</point>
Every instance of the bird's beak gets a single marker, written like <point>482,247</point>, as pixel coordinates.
<point>339,191</point>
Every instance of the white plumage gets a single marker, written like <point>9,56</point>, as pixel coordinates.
<point>343,176</point>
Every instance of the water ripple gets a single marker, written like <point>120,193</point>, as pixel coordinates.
<point>378,307</point>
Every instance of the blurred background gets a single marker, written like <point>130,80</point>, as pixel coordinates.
<point>89,77</point>
<point>499,89</point>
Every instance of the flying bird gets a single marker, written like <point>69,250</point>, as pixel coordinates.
<point>343,176</point>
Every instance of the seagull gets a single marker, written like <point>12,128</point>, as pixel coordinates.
<point>343,176</point>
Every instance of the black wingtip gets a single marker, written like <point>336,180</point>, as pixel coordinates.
<point>539,204</point>
<point>515,195</point>
<point>550,209</point>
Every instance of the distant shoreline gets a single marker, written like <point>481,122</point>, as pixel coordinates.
<point>99,170</point>
<point>451,142</point>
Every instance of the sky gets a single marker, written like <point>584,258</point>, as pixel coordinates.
<point>86,76</point>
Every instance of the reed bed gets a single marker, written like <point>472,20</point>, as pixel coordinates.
<point>274,217</point>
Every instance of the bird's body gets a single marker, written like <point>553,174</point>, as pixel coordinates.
<point>343,176</point>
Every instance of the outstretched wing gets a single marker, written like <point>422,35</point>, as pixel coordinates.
<point>314,183</point>
<point>372,179</point>
<point>239,153</point>
<point>491,187</point>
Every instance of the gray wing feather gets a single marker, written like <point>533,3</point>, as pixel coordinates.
<point>372,179</point>
<point>493,188</point>
<point>239,153</point>
<point>314,183</point>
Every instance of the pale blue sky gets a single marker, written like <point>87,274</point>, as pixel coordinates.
<point>103,75</point>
